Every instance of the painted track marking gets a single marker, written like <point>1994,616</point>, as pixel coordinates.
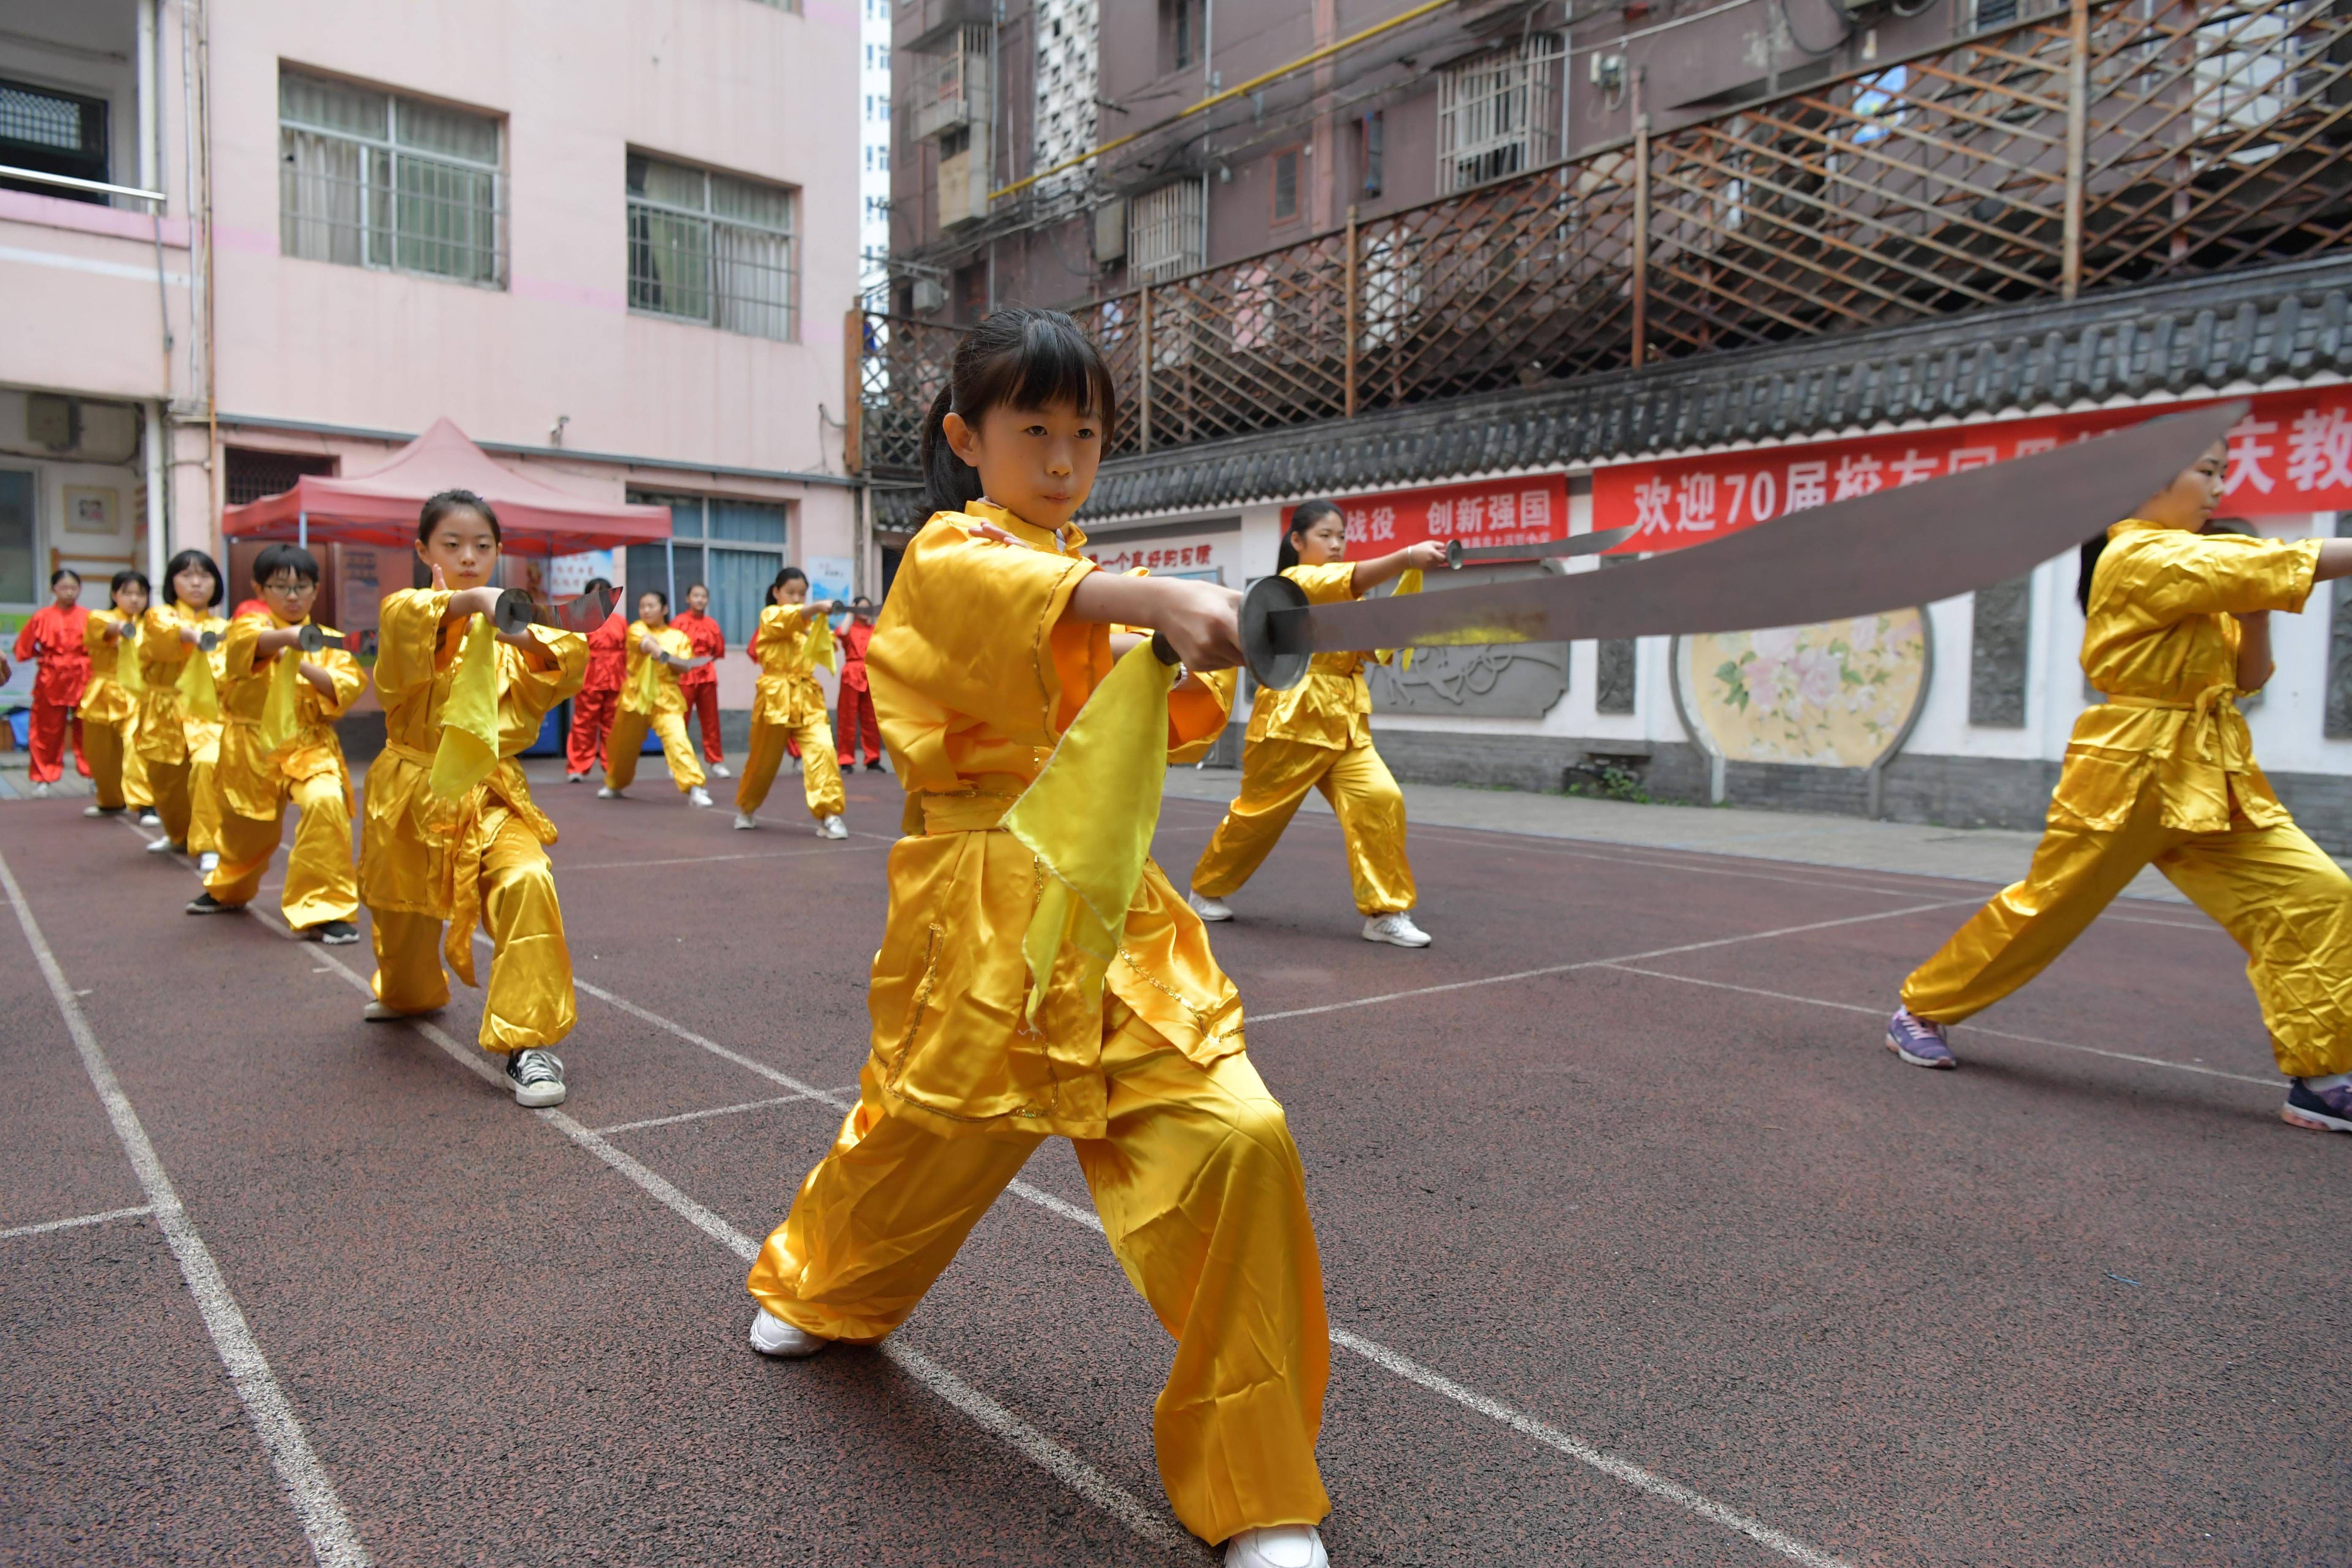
<point>78,1222</point>
<point>332,1540</point>
<point>1606,963</point>
<point>1975,1028</point>
<point>697,1115</point>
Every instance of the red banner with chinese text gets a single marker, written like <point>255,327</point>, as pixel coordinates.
<point>1491,511</point>
<point>2292,454</point>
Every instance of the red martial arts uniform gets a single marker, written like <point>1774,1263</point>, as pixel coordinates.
<point>54,637</point>
<point>600,693</point>
<point>701,686</point>
<point>856,715</point>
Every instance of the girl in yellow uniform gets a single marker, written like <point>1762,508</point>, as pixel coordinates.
<point>279,707</point>
<point>1318,735</point>
<point>996,634</point>
<point>451,834</point>
<point>2163,774</point>
<point>110,703</point>
<point>652,699</point>
<point>792,639</point>
<point>179,713</point>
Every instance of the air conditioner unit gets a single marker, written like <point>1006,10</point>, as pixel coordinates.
<point>1110,232</point>
<point>931,294</point>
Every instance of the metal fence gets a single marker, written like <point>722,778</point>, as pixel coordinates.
<point>2104,145</point>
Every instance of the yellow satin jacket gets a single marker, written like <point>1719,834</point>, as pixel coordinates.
<point>789,646</point>
<point>1332,706</point>
<point>249,774</point>
<point>976,673</point>
<point>165,733</point>
<point>2161,644</point>
<point>419,852</point>
<point>110,696</point>
<point>651,687</point>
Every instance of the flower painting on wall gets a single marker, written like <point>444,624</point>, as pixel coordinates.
<point>1839,694</point>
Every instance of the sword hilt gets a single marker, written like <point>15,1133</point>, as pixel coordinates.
<point>312,639</point>
<point>514,612</point>
<point>1275,643</point>
<point>207,640</point>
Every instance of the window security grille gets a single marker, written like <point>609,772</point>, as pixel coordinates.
<point>55,133</point>
<point>373,179</point>
<point>1286,185</point>
<point>1499,112</point>
<point>712,248</point>
<point>1163,238</point>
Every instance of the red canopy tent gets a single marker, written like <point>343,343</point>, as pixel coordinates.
<point>381,508</point>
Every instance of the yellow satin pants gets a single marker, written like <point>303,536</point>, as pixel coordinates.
<point>820,773</point>
<point>204,809</point>
<point>628,735</point>
<point>102,746</point>
<point>529,1001</point>
<point>137,793</point>
<point>2287,904</point>
<point>1275,777</point>
<point>320,884</point>
<point>1203,1199</point>
<point>168,782</point>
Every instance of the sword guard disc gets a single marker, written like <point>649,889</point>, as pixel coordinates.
<point>1276,643</point>
<point>1454,555</point>
<point>208,641</point>
<point>514,612</point>
<point>311,639</point>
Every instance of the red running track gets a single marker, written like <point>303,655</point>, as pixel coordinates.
<point>1640,1247</point>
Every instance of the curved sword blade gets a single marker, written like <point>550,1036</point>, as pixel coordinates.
<point>1857,557</point>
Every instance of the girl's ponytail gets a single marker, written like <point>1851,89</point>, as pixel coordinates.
<point>2092,548</point>
<point>953,483</point>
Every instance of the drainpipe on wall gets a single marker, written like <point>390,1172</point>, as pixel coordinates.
<point>158,471</point>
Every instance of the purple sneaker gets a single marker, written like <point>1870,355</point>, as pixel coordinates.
<point>2320,1110</point>
<point>1922,1043</point>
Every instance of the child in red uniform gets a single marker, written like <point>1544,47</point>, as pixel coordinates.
<point>701,686</point>
<point>54,637</point>
<point>592,709</point>
<point>855,718</point>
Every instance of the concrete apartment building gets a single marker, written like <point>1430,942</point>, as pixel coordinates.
<point>613,244</point>
<point>1690,264</point>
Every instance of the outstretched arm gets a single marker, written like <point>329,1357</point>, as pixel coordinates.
<point>1371,575</point>
<point>1200,619</point>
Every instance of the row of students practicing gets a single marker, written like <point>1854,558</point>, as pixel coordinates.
<point>228,722</point>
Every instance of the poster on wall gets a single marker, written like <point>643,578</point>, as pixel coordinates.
<point>567,574</point>
<point>2293,453</point>
<point>1525,510</point>
<point>1212,557</point>
<point>830,576</point>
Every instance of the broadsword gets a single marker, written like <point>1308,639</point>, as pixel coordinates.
<point>1910,545</point>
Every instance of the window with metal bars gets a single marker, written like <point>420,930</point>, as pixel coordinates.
<point>376,179</point>
<point>250,475</point>
<point>54,134</point>
<point>1164,238</point>
<point>1286,184</point>
<point>712,248</point>
<point>1499,112</point>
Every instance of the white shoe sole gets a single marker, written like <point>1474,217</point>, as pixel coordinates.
<point>1896,1046</point>
<point>2312,1122</point>
<point>744,826</point>
<point>377,1012</point>
<point>784,1341</point>
<point>1213,914</point>
<point>1406,943</point>
<point>538,1097</point>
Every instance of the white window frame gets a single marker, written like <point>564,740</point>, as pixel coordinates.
<point>702,231</point>
<point>1499,112</point>
<point>373,235</point>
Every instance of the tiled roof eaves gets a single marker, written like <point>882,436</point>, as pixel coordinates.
<point>2265,326</point>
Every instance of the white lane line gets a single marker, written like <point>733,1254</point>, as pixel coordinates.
<point>78,1222</point>
<point>1881,1012</point>
<point>1608,1464</point>
<point>1606,963</point>
<point>1065,1467</point>
<point>697,1115</point>
<point>1623,1469</point>
<point>332,1540</point>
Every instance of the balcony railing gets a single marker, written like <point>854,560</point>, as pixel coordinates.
<point>948,89</point>
<point>2119,142</point>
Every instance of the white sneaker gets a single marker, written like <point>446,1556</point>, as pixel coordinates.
<point>833,827</point>
<point>606,791</point>
<point>40,792</point>
<point>376,1012</point>
<point>697,797</point>
<point>771,1335</point>
<point>149,819</point>
<point>206,861</point>
<point>1209,908</point>
<point>722,771</point>
<point>93,811</point>
<point>537,1075</point>
<point>575,778</point>
<point>745,820</point>
<point>1278,1546</point>
<point>164,847</point>
<point>1397,930</point>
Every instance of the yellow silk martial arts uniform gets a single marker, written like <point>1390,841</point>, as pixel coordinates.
<point>110,705</point>
<point>279,745</point>
<point>476,858</point>
<point>790,706</point>
<point>2163,773</point>
<point>179,723</point>
<point>651,698</point>
<point>1316,735</point>
<point>975,676</point>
